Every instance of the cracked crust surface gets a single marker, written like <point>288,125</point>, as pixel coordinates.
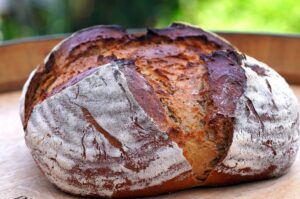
<point>178,97</point>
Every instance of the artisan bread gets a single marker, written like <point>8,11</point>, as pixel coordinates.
<point>117,114</point>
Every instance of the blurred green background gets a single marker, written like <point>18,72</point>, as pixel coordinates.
<point>24,18</point>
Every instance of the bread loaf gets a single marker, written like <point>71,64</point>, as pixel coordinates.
<point>115,114</point>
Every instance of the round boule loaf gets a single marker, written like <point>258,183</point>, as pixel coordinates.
<point>117,114</point>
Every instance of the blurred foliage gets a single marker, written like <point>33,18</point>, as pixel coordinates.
<point>23,18</point>
<point>241,15</point>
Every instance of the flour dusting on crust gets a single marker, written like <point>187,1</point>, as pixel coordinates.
<point>266,129</point>
<point>93,138</point>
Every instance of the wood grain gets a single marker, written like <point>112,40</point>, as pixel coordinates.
<point>18,59</point>
<point>281,52</point>
<point>19,176</point>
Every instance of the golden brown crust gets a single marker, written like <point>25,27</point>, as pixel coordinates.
<point>91,46</point>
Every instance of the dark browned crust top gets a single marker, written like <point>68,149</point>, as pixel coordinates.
<point>226,79</point>
<point>227,82</point>
<point>91,34</point>
<point>66,53</point>
<point>180,30</point>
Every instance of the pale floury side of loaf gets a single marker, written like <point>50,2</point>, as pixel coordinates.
<point>68,133</point>
<point>266,131</point>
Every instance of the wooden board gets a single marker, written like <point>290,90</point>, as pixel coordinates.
<point>281,52</point>
<point>19,176</point>
<point>19,58</point>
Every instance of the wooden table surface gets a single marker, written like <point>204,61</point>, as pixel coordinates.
<point>19,176</point>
